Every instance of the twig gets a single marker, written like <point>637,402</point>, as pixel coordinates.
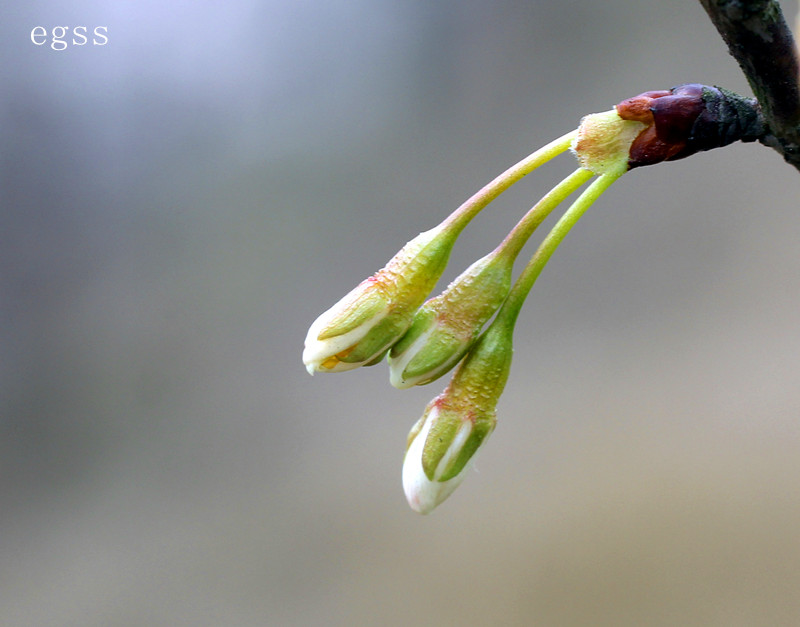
<point>761,42</point>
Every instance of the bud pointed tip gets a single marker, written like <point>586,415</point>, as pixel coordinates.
<point>423,493</point>
<point>397,380</point>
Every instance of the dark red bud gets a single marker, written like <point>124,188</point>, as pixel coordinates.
<point>675,116</point>
<point>687,119</point>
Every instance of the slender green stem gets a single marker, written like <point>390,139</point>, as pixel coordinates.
<point>461,216</point>
<point>520,234</point>
<point>519,292</point>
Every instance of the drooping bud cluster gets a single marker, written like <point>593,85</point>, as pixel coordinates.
<point>388,312</point>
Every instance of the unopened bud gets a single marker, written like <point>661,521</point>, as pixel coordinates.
<point>363,325</point>
<point>446,326</point>
<point>442,445</point>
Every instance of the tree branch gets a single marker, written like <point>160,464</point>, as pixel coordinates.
<point>761,42</point>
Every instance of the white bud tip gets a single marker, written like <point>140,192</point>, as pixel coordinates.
<point>422,494</point>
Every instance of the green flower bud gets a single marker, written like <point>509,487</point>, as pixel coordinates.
<point>364,324</point>
<point>443,443</point>
<point>446,326</point>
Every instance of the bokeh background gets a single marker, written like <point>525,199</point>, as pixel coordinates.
<point>178,205</point>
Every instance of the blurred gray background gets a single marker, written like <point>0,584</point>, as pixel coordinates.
<point>180,204</point>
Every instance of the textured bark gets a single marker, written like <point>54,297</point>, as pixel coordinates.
<point>760,40</point>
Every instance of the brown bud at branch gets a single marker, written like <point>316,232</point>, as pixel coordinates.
<point>687,119</point>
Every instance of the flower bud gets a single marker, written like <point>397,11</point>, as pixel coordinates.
<point>446,326</point>
<point>442,445</point>
<point>362,326</point>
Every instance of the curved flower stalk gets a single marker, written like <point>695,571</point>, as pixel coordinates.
<point>362,326</point>
<point>446,326</point>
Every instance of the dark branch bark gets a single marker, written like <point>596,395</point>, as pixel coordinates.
<point>761,42</point>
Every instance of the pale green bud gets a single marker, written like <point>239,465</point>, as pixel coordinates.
<point>442,445</point>
<point>446,326</point>
<point>364,324</point>
<point>604,140</point>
